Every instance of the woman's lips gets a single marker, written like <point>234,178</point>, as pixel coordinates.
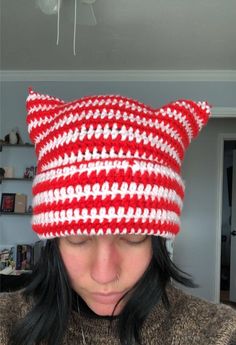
<point>109,298</point>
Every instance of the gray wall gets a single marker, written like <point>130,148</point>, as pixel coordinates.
<point>195,247</point>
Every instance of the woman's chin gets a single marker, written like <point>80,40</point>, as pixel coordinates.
<point>105,309</point>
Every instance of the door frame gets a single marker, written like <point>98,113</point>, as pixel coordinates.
<point>221,139</point>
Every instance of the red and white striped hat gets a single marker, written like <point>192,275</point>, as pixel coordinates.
<point>109,164</point>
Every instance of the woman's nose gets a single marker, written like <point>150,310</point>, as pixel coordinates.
<point>105,268</point>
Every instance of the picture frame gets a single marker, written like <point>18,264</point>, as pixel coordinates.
<point>8,202</point>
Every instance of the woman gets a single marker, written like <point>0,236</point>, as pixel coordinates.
<point>107,194</point>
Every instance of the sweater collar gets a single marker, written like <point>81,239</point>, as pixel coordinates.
<point>104,326</point>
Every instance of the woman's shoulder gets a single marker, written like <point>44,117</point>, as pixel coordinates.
<point>199,308</point>
<point>12,303</point>
<point>13,306</point>
<point>213,323</point>
<point>197,321</point>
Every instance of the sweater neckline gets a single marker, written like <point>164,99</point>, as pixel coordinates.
<point>86,314</point>
<point>103,324</point>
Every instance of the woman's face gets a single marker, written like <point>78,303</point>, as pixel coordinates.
<point>103,268</point>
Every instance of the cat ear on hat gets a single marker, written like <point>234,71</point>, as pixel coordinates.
<point>186,117</point>
<point>39,112</point>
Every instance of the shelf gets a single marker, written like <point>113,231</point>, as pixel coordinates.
<point>14,145</point>
<point>16,213</point>
<point>16,179</point>
<point>16,272</point>
<point>17,145</point>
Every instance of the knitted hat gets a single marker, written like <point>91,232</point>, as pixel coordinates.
<point>109,164</point>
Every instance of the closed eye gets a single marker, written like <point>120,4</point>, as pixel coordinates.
<point>134,239</point>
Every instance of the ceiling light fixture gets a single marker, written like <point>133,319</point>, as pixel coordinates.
<point>84,8</point>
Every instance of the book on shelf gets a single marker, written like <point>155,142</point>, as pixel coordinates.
<point>7,256</point>
<point>20,257</point>
<point>24,257</point>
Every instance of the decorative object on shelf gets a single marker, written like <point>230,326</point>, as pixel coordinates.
<point>13,137</point>
<point>30,209</point>
<point>20,203</point>
<point>2,172</point>
<point>26,173</point>
<point>13,203</point>
<point>8,202</point>
<point>30,172</point>
<point>9,172</point>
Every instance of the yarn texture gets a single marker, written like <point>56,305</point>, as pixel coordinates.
<point>190,320</point>
<point>109,164</point>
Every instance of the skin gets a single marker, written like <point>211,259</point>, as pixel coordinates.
<point>103,265</point>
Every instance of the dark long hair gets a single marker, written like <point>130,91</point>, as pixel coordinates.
<point>51,294</point>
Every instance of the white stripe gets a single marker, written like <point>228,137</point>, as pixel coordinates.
<point>107,165</point>
<point>199,121</point>
<point>44,107</point>
<point>195,115</point>
<point>178,117</point>
<point>203,105</point>
<point>71,215</point>
<point>72,159</point>
<point>93,232</point>
<point>35,95</point>
<point>126,135</point>
<point>87,115</point>
<point>39,121</point>
<point>98,101</point>
<point>96,190</point>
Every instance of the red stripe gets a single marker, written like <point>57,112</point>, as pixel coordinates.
<point>162,157</point>
<point>189,118</point>
<point>174,123</point>
<point>113,175</point>
<point>172,142</point>
<point>118,201</point>
<point>41,114</point>
<point>43,127</point>
<point>88,225</point>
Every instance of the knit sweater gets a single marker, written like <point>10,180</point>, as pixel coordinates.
<point>190,320</point>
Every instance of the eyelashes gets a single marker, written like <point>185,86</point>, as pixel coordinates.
<point>79,243</point>
<point>134,241</point>
<point>129,239</point>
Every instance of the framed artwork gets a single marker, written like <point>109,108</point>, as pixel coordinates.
<point>8,202</point>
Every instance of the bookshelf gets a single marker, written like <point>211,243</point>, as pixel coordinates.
<point>14,179</point>
<point>14,233</point>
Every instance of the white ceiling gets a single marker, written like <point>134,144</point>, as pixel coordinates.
<point>130,35</point>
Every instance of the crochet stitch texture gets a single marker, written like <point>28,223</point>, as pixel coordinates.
<point>109,164</point>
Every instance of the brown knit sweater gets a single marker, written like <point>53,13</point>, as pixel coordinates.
<point>190,321</point>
